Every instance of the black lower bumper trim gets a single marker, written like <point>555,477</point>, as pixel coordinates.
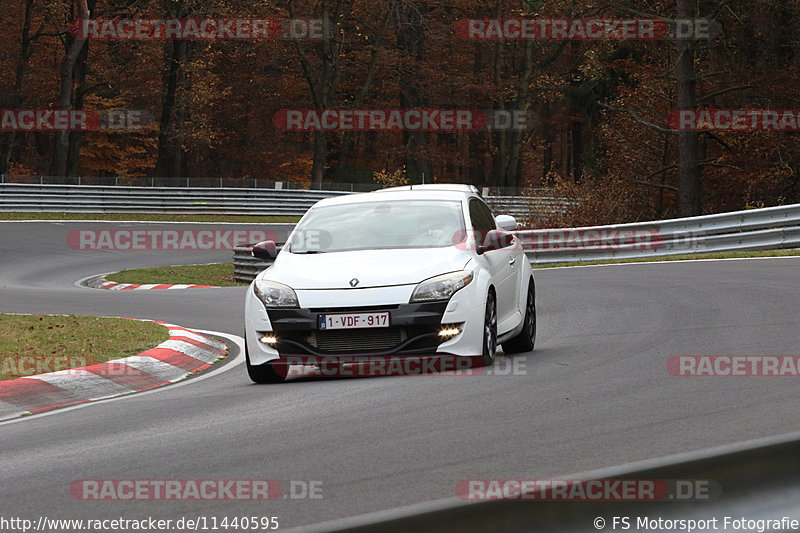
<point>414,330</point>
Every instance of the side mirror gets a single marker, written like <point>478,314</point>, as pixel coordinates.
<point>265,250</point>
<point>495,240</point>
<point>506,222</point>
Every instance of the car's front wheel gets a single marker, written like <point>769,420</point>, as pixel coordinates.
<point>489,330</point>
<point>526,339</point>
<point>262,373</point>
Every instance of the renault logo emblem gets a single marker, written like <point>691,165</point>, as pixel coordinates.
<point>354,282</point>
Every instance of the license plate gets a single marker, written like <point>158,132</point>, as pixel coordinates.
<point>354,321</point>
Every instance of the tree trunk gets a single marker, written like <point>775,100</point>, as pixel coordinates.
<point>170,162</point>
<point>320,158</point>
<point>514,167</point>
<point>74,47</point>
<point>688,167</point>
<point>322,82</point>
<point>507,159</point>
<point>347,138</point>
<point>74,138</point>
<point>577,151</point>
<point>15,101</point>
<point>410,30</point>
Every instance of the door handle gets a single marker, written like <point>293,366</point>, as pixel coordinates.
<point>512,260</point>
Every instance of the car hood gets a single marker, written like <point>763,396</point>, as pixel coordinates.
<point>372,268</point>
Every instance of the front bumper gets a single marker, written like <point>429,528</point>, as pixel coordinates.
<point>417,332</point>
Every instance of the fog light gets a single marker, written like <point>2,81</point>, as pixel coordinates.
<point>269,338</point>
<point>449,331</point>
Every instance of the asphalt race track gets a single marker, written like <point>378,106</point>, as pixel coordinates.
<point>594,394</point>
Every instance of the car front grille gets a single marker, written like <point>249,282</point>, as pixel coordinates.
<point>357,340</point>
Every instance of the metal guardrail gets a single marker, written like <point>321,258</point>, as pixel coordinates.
<point>756,229</point>
<point>236,183</point>
<point>171,200</point>
<point>528,209</point>
<point>756,479</point>
<point>245,266</point>
<point>187,182</point>
<point>17,197</point>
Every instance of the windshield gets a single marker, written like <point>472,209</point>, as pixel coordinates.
<point>377,225</point>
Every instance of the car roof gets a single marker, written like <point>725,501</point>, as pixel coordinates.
<point>459,187</point>
<point>409,192</point>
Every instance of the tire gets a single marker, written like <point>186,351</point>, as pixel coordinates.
<point>261,373</point>
<point>526,339</point>
<point>489,330</point>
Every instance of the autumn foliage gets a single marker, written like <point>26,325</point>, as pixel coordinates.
<point>600,135</point>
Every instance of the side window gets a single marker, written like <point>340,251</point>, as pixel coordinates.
<point>480,216</point>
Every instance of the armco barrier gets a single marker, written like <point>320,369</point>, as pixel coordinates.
<point>528,209</point>
<point>756,229</point>
<point>757,479</point>
<point>169,200</point>
<point>17,197</point>
<point>245,266</point>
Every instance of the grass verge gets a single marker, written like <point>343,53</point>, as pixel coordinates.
<point>33,344</point>
<point>243,219</point>
<point>217,274</point>
<point>713,255</point>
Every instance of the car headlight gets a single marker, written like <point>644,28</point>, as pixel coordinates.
<point>441,287</point>
<point>275,294</point>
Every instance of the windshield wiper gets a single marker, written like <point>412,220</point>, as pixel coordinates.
<point>307,252</point>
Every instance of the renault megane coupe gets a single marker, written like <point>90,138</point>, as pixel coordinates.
<point>422,270</point>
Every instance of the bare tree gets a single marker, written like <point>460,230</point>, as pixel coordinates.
<point>323,81</point>
<point>171,160</point>
<point>16,98</point>
<point>74,47</point>
<point>688,164</point>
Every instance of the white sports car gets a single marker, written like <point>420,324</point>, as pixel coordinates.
<point>422,270</point>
